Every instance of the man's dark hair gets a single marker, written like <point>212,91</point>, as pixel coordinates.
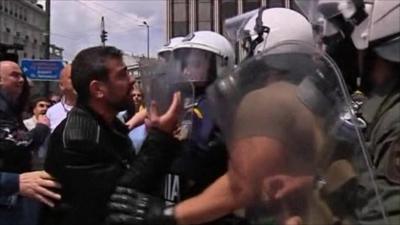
<point>89,65</point>
<point>35,101</point>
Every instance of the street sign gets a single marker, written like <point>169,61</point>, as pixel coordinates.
<point>47,70</point>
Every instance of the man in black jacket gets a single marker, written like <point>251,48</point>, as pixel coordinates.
<point>90,152</point>
<point>18,186</point>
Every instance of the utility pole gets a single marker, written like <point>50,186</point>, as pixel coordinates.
<point>103,35</point>
<point>47,41</point>
<point>47,35</point>
<point>148,38</point>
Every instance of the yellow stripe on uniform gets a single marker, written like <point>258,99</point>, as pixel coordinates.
<point>198,113</point>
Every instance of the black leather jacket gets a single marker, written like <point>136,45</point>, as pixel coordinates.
<point>16,142</point>
<point>89,158</point>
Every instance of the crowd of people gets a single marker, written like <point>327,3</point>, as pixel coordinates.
<point>278,138</point>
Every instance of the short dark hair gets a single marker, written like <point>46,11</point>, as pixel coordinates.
<point>36,100</point>
<point>89,65</point>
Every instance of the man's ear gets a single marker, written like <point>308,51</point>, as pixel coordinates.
<point>97,89</point>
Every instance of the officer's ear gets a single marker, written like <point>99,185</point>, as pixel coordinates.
<point>97,89</point>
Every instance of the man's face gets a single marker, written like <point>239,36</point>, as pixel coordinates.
<point>41,108</point>
<point>119,85</point>
<point>137,97</point>
<point>11,79</point>
<point>66,82</point>
<point>196,66</point>
<point>54,99</point>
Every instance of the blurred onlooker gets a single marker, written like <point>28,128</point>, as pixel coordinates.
<point>135,116</point>
<point>54,98</point>
<point>58,112</point>
<point>137,96</point>
<point>18,186</point>
<point>136,123</point>
<point>39,108</point>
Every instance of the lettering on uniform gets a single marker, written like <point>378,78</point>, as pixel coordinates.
<point>172,188</point>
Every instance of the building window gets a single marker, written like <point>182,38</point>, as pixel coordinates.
<point>249,5</point>
<point>11,8</point>
<point>16,11</point>
<point>205,17</point>
<point>20,13</point>
<point>275,3</point>
<point>180,17</point>
<point>227,9</point>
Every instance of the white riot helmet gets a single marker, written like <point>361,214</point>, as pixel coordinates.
<point>369,23</point>
<point>165,51</point>
<point>210,43</point>
<point>262,28</point>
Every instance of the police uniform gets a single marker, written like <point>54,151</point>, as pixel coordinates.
<point>382,114</point>
<point>202,160</point>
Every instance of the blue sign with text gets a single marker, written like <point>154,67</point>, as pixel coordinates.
<point>48,70</point>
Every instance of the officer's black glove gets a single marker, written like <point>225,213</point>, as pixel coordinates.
<point>129,207</point>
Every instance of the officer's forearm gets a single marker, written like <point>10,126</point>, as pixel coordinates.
<point>216,201</point>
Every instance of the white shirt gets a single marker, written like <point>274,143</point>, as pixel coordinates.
<point>30,123</point>
<point>57,113</point>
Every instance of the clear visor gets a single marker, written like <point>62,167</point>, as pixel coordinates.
<point>314,10</point>
<point>160,81</point>
<point>286,116</point>
<point>196,65</point>
<point>234,27</point>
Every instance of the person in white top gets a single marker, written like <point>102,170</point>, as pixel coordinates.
<point>58,112</point>
<point>39,109</point>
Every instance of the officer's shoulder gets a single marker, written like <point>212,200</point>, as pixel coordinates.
<point>80,126</point>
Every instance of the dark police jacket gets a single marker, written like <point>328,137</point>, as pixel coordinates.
<point>89,158</point>
<point>202,159</point>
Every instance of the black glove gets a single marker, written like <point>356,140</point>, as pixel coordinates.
<point>129,207</point>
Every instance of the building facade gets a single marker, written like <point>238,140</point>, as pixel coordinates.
<point>185,16</point>
<point>56,52</point>
<point>24,23</point>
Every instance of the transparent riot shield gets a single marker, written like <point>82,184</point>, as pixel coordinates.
<point>296,148</point>
<point>160,81</point>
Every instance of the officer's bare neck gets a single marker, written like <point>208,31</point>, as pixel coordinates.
<point>102,108</point>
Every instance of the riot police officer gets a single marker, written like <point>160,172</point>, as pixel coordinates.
<point>373,28</point>
<point>263,30</point>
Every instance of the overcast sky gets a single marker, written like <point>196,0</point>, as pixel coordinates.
<point>75,24</point>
